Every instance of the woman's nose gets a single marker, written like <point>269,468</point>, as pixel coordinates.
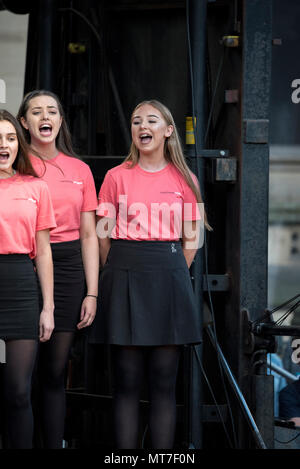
<point>45,115</point>
<point>3,143</point>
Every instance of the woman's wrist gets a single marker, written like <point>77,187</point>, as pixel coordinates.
<point>93,296</point>
<point>48,308</point>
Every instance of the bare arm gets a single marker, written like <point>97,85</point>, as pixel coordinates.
<point>104,229</point>
<point>90,258</point>
<point>190,236</point>
<point>44,266</point>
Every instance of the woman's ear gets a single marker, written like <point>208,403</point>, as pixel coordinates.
<point>24,123</point>
<point>169,131</point>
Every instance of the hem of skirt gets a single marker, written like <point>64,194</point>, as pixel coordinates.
<point>65,329</point>
<point>139,344</point>
<point>13,337</point>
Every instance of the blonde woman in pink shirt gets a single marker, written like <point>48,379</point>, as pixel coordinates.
<point>74,246</point>
<point>26,216</point>
<point>148,229</point>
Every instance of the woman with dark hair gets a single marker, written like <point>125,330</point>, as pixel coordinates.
<point>74,246</point>
<point>149,234</point>
<point>26,215</point>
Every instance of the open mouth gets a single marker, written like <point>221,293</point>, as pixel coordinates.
<point>45,130</point>
<point>145,138</point>
<point>4,155</point>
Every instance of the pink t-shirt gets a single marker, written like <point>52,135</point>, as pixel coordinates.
<point>147,205</point>
<point>72,190</point>
<point>25,209</point>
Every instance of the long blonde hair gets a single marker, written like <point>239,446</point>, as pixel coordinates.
<point>172,151</point>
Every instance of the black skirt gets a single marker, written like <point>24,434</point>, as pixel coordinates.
<point>19,299</point>
<point>146,296</point>
<point>69,284</point>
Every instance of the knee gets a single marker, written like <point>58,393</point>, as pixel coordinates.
<point>52,377</point>
<point>163,382</point>
<point>127,384</point>
<point>18,398</point>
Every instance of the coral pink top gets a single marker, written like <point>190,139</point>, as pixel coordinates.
<point>25,209</point>
<point>72,190</point>
<point>147,205</point>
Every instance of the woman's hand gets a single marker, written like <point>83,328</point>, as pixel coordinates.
<point>46,324</point>
<point>90,258</point>
<point>44,267</point>
<point>190,240</point>
<point>88,312</point>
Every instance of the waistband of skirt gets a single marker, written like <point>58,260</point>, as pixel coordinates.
<point>144,243</point>
<point>14,257</point>
<point>65,250</point>
<point>66,245</point>
<point>149,255</point>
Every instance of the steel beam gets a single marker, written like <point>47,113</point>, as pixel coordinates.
<point>196,16</point>
<point>254,184</point>
<point>46,37</point>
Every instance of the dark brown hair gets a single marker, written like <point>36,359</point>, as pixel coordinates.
<point>22,162</point>
<point>63,139</point>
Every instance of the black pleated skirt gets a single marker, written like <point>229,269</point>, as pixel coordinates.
<point>69,284</point>
<point>146,296</point>
<point>19,299</point>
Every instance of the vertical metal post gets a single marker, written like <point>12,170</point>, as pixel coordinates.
<point>45,60</point>
<point>196,11</point>
<point>254,185</point>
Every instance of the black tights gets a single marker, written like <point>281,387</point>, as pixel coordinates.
<point>129,366</point>
<point>17,374</point>
<point>53,359</point>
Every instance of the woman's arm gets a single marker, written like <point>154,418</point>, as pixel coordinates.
<point>44,267</point>
<point>90,258</point>
<point>190,240</point>
<point>104,229</point>
<point>104,245</point>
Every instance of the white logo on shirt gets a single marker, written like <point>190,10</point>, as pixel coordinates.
<point>72,182</point>
<point>25,198</point>
<point>172,192</point>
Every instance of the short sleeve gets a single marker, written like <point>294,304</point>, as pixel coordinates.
<point>191,208</point>
<point>89,192</point>
<point>45,213</point>
<point>108,198</point>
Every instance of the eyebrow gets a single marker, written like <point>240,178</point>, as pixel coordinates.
<point>40,107</point>
<point>149,115</point>
<point>9,134</point>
